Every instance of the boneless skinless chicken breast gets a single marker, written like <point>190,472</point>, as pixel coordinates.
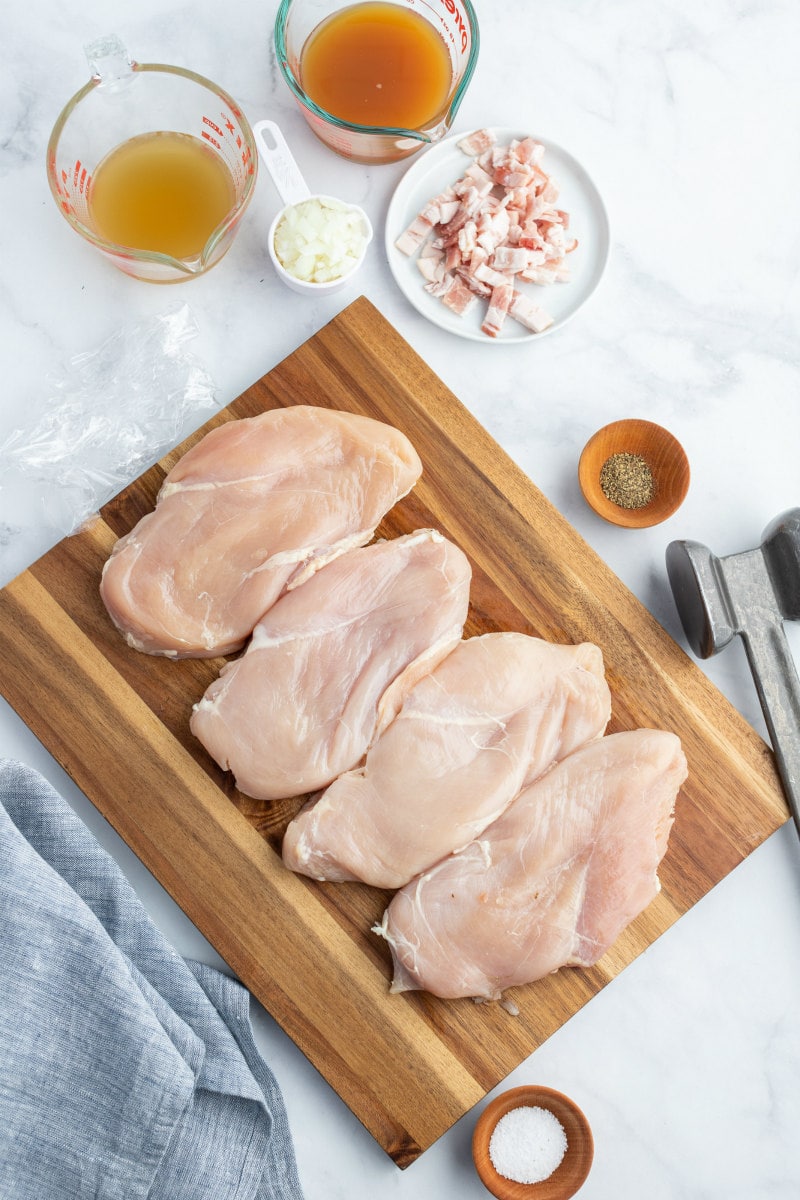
<point>251,510</point>
<point>330,663</point>
<point>552,883</point>
<point>495,714</point>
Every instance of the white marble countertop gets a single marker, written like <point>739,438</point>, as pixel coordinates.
<point>686,116</point>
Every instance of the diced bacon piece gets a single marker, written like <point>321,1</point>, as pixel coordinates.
<point>530,315</point>
<point>499,302</point>
<point>531,238</point>
<point>467,239</point>
<point>476,143</point>
<point>529,150</point>
<point>447,210</point>
<point>542,179</point>
<point>518,198</point>
<point>440,287</point>
<point>452,257</point>
<point>458,298</point>
<point>509,258</point>
<point>429,250</point>
<point>469,196</point>
<point>487,274</point>
<point>550,192</point>
<point>554,242</point>
<point>493,230</point>
<point>512,176</point>
<point>539,274</point>
<point>465,210</point>
<point>563,217</point>
<point>570,246</point>
<point>431,269</point>
<point>563,273</point>
<point>478,258</point>
<point>474,285</point>
<point>535,209</point>
<point>481,180</point>
<point>413,237</point>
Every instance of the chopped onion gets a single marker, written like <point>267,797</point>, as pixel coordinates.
<point>319,240</point>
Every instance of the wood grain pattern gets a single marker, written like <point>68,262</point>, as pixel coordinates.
<point>408,1066</point>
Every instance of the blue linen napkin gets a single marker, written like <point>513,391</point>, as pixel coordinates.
<point>125,1070</point>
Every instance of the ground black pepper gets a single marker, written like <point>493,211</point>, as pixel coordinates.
<point>627,480</point>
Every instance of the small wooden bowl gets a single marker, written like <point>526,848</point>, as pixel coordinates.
<point>664,456</point>
<point>575,1165</point>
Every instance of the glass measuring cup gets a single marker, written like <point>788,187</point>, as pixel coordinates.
<point>455,21</point>
<point>123,100</point>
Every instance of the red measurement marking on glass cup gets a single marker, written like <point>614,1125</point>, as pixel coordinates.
<point>212,125</point>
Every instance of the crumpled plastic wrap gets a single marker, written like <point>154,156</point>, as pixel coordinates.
<point>115,412</point>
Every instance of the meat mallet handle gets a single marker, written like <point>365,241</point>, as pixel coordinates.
<point>760,626</point>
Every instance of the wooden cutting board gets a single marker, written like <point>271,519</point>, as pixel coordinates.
<point>407,1065</point>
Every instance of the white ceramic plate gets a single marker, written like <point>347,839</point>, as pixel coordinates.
<point>445,163</point>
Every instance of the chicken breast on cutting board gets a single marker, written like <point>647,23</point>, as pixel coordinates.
<point>552,883</point>
<point>495,714</point>
<point>330,663</point>
<point>249,511</point>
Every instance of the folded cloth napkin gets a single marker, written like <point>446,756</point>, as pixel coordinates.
<point>125,1070</point>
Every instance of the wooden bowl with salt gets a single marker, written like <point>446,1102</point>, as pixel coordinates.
<point>634,473</point>
<point>528,1149</point>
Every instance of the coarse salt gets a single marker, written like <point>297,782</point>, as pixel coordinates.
<point>527,1144</point>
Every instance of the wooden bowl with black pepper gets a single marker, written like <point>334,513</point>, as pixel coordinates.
<point>566,1178</point>
<point>634,473</point>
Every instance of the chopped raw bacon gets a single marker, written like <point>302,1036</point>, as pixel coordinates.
<point>510,258</point>
<point>493,226</point>
<point>486,274</point>
<point>523,309</point>
<point>415,235</point>
<point>431,269</point>
<point>459,298</point>
<point>477,142</point>
<point>499,302</point>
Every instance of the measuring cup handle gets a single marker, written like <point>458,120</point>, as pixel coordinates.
<point>280,163</point>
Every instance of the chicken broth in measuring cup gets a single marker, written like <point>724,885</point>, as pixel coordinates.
<point>377,64</point>
<point>165,192</point>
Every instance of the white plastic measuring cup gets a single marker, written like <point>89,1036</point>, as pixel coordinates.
<point>293,190</point>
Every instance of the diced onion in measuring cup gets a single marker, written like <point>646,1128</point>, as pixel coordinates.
<point>319,240</point>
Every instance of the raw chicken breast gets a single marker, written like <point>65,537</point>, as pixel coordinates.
<point>493,716</point>
<point>552,883</point>
<point>251,510</point>
<point>330,663</point>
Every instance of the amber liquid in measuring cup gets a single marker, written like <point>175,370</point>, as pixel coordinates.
<point>161,191</point>
<point>377,64</point>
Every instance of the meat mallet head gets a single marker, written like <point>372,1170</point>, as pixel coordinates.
<point>697,578</point>
<point>780,546</point>
<point>700,596</point>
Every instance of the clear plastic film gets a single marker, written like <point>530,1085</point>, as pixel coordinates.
<point>116,410</point>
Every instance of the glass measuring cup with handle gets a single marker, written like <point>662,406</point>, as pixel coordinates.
<point>454,20</point>
<point>125,100</point>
